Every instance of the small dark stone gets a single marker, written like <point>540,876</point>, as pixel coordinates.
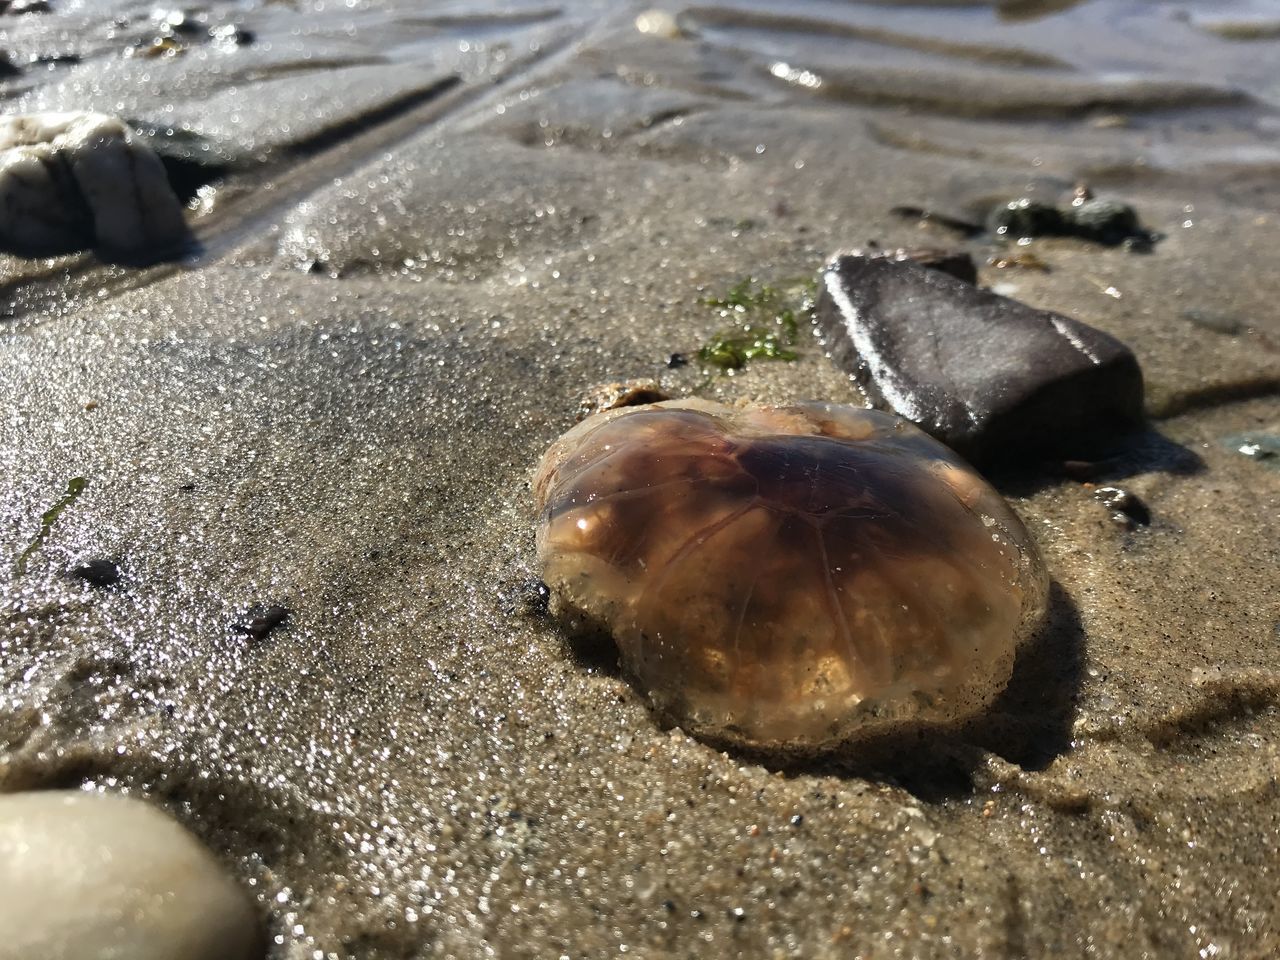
<point>231,35</point>
<point>58,59</point>
<point>1104,221</point>
<point>676,361</point>
<point>1127,509</point>
<point>958,263</point>
<point>260,622</point>
<point>98,573</point>
<point>1025,217</point>
<point>19,7</point>
<point>992,377</point>
<point>1108,222</point>
<point>1140,243</point>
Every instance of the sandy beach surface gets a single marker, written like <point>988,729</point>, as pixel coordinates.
<point>426,230</point>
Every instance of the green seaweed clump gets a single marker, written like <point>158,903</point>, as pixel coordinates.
<point>766,327</point>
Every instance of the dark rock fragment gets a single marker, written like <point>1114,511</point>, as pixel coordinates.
<point>992,377</point>
<point>260,622</point>
<point>1127,509</point>
<point>1025,217</point>
<point>99,573</point>
<point>1108,222</point>
<point>231,35</point>
<point>57,59</point>
<point>18,7</point>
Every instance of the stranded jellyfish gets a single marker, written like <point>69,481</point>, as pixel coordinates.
<point>787,578</point>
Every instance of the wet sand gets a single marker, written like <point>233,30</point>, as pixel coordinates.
<point>433,234</point>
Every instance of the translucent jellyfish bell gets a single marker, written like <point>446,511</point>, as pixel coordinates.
<point>788,578</point>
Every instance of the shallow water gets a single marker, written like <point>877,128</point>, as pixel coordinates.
<point>430,236</point>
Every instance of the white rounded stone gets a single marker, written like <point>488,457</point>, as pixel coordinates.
<point>67,179</point>
<point>86,876</point>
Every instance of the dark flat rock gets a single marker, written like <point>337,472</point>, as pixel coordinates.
<point>992,377</point>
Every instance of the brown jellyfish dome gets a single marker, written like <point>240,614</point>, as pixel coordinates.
<point>788,578</point>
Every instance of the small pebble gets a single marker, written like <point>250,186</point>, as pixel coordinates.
<point>262,621</point>
<point>230,36</point>
<point>19,7</point>
<point>100,573</point>
<point>1104,221</point>
<point>1025,218</point>
<point>1128,510</point>
<point>659,23</point>
<point>175,21</point>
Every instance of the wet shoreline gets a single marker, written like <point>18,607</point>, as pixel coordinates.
<point>337,412</point>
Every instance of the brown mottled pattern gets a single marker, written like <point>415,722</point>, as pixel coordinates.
<point>790,577</point>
